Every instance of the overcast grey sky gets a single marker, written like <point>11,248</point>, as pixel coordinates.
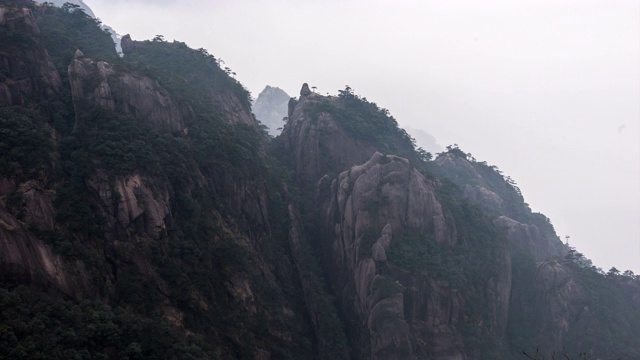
<point>547,90</point>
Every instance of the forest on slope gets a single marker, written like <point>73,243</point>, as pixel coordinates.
<point>145,213</point>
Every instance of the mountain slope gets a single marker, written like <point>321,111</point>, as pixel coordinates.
<point>144,213</point>
<point>434,259</point>
<point>150,201</point>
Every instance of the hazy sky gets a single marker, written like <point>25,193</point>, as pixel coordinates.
<point>549,91</point>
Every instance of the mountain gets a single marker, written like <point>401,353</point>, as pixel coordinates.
<point>270,108</point>
<point>425,140</point>
<point>80,3</point>
<point>84,7</point>
<point>145,213</point>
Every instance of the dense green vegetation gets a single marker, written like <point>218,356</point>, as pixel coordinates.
<point>17,40</point>
<point>193,76</point>
<point>38,325</point>
<point>67,29</point>
<point>329,321</point>
<point>521,334</point>
<point>470,266</point>
<point>364,120</point>
<point>487,176</point>
<point>193,260</point>
<point>25,143</point>
<point>480,251</point>
<point>609,328</point>
<point>421,254</point>
<point>221,280</point>
<point>604,326</point>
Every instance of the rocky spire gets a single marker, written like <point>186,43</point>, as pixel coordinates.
<point>127,44</point>
<point>305,90</point>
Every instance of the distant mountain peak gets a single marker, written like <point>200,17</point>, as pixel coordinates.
<point>270,107</point>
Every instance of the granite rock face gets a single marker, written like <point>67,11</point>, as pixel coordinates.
<point>400,312</point>
<point>38,205</point>
<point>485,186</point>
<point>252,261</point>
<point>529,237</point>
<point>227,103</point>
<point>135,203</point>
<point>558,303</point>
<point>128,45</point>
<point>319,144</point>
<point>28,72</point>
<point>25,257</point>
<point>305,90</point>
<point>98,84</point>
<point>394,313</point>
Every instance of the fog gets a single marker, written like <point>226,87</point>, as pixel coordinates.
<point>549,91</point>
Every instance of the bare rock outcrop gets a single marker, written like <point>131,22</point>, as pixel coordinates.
<point>233,109</point>
<point>138,204</point>
<point>481,184</point>
<point>26,257</point>
<point>28,72</point>
<point>486,187</point>
<point>559,302</point>
<point>305,90</point>
<point>387,190</point>
<point>458,169</point>
<point>98,84</point>
<point>398,311</point>
<point>481,195</point>
<point>319,144</point>
<point>528,237</point>
<point>38,205</point>
<point>128,45</point>
<point>227,103</point>
<point>18,18</point>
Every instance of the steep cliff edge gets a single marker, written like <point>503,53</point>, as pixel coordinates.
<point>375,204</point>
<point>396,255</point>
<point>390,246</point>
<point>328,134</point>
<point>27,73</point>
<point>498,195</point>
<point>131,190</point>
<point>434,259</point>
<point>569,308</point>
<point>216,88</point>
<point>145,214</point>
<point>98,84</point>
<point>317,142</point>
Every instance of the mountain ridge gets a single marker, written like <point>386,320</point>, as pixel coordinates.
<point>146,214</point>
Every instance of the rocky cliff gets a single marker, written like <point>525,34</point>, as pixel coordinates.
<point>393,230</point>
<point>145,214</point>
<point>26,73</point>
<point>98,84</point>
<point>485,186</point>
<point>217,89</point>
<point>149,203</point>
<point>399,306</point>
<point>318,143</point>
<point>370,207</point>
